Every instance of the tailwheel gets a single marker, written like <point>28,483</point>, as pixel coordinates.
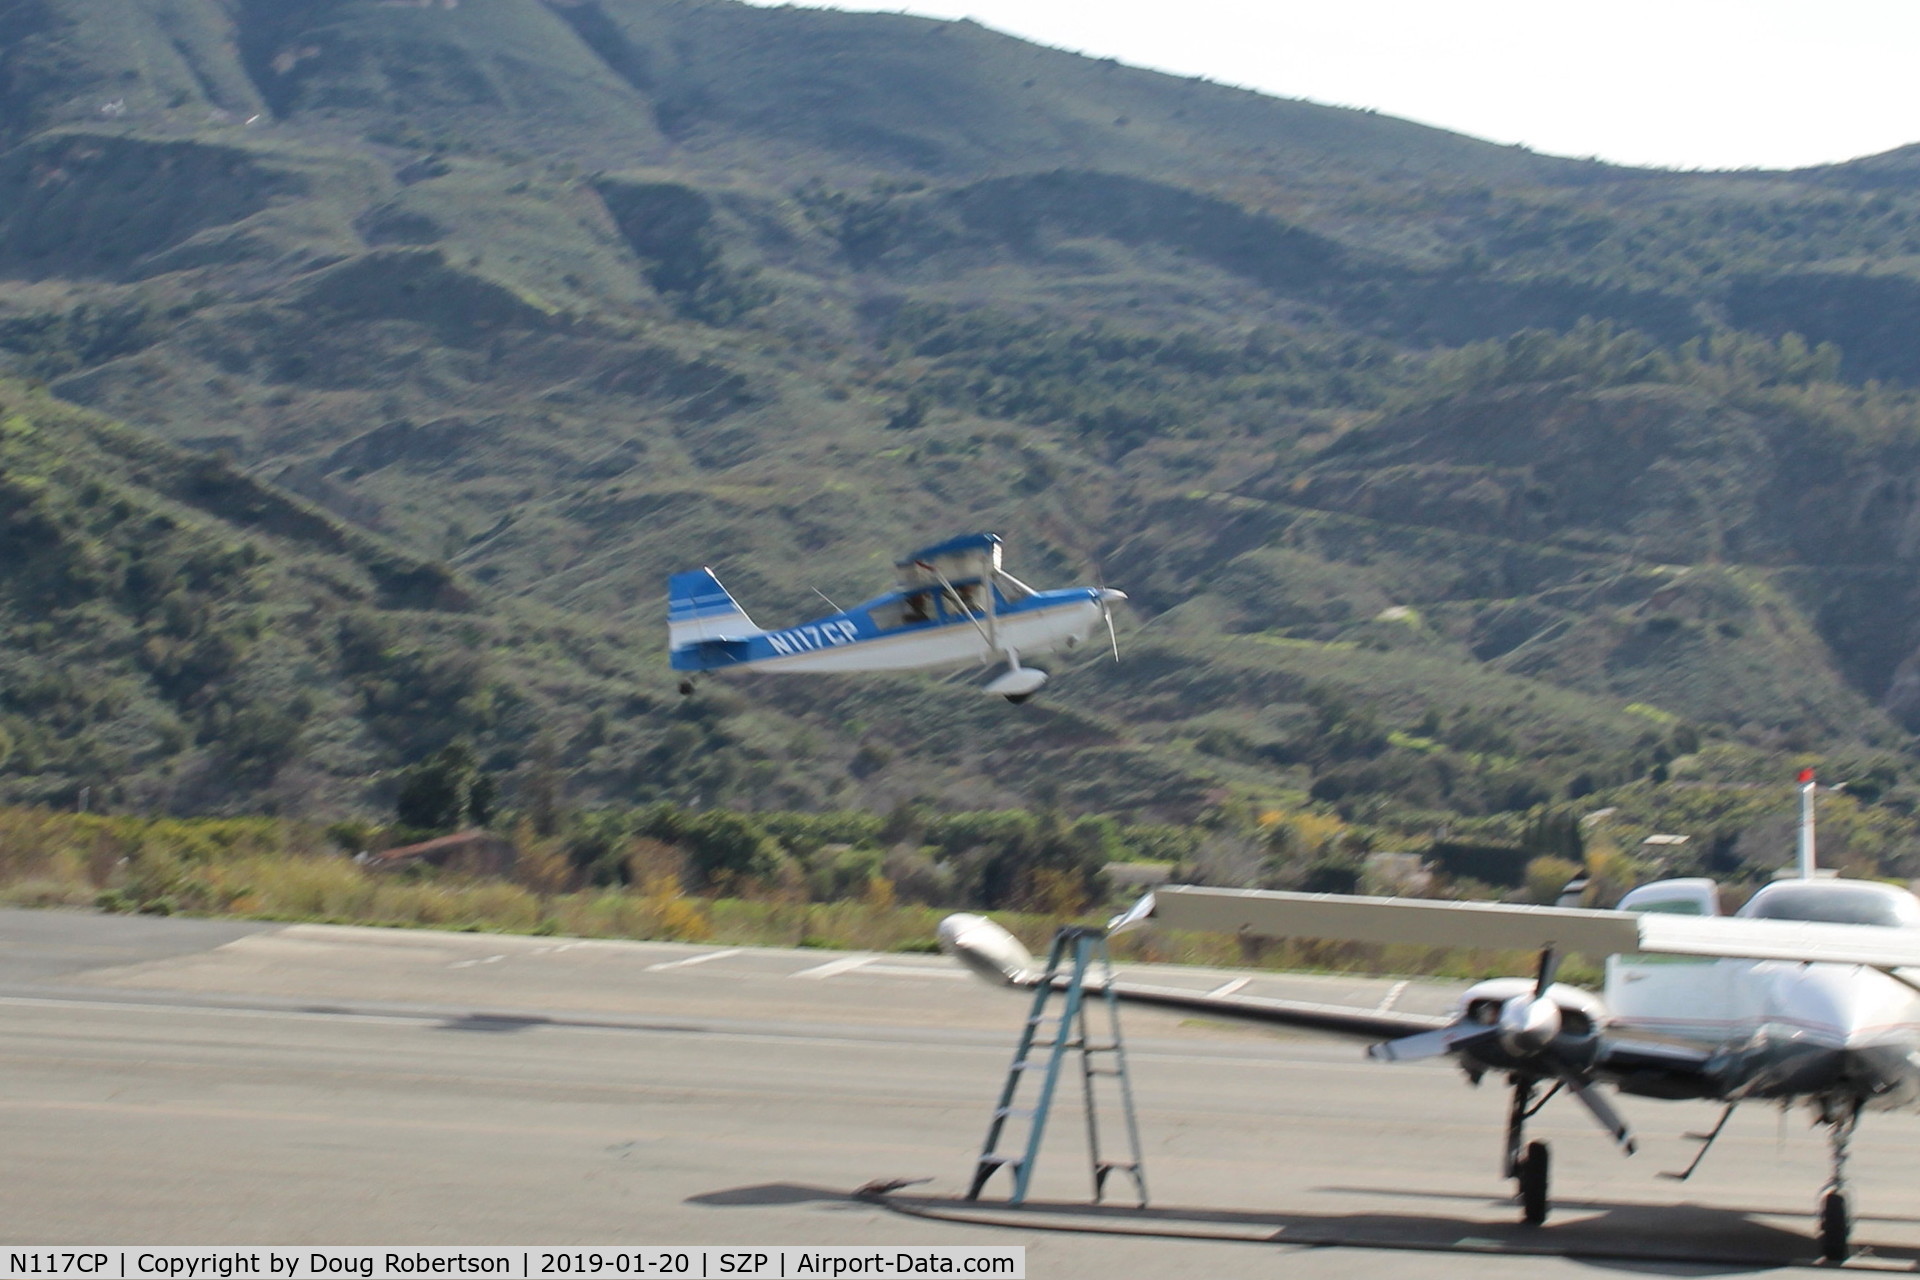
<point>686,688</point>
<point>1531,1172</point>
<point>1835,1227</point>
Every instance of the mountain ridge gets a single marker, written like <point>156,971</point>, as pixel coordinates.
<point>1427,461</point>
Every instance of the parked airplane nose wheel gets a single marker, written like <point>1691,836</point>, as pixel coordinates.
<point>1530,1171</point>
<point>1834,1227</point>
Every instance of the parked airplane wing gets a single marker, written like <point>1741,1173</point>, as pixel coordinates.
<point>1653,1069</point>
<point>999,958</point>
<point>1362,1024</point>
<point>1422,922</point>
<point>1506,926</point>
<point>1878,946</point>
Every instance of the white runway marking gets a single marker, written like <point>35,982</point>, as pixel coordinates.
<point>846,964</point>
<point>1228,988</point>
<point>1393,994</point>
<point>463,964</point>
<point>691,960</point>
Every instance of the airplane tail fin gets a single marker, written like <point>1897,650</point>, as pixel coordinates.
<point>699,608</point>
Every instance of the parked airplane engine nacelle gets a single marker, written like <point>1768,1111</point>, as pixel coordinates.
<point>988,950</point>
<point>1528,1025</point>
<point>1564,1017</point>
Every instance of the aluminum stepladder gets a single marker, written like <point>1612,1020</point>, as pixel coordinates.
<point>1075,950</point>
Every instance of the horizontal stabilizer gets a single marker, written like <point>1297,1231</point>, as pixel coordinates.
<point>699,608</point>
<point>1505,926</point>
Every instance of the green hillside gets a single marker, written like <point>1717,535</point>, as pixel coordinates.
<point>1448,479</point>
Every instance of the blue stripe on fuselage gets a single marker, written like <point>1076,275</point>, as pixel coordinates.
<point>849,628</point>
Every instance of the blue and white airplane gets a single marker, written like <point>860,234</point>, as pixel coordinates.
<point>954,605</point>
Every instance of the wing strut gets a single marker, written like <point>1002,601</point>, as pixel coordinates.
<point>990,632</point>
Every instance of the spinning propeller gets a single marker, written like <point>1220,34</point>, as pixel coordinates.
<point>1526,1034</point>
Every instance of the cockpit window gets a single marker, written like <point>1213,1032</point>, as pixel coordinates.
<point>910,610</point>
<point>965,600</point>
<point>1011,589</point>
<point>1835,904</point>
<point>1670,907</point>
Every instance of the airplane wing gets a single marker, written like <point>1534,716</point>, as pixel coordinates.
<point>1655,1069</point>
<point>1506,926</point>
<point>999,958</point>
<point>1648,1067</point>
<point>1361,1024</point>
<point>1876,946</point>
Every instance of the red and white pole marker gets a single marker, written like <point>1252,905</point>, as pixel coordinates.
<point>1806,824</point>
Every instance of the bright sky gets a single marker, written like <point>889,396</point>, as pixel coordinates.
<point>1716,84</point>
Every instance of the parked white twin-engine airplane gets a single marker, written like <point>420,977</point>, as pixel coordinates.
<point>1811,993</point>
<point>954,605</point>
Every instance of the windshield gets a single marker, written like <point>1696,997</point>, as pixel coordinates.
<point>1831,903</point>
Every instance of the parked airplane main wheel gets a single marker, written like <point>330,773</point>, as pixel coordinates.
<point>1834,1227</point>
<point>1531,1173</point>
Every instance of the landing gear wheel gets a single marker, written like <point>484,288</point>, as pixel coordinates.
<point>686,688</point>
<point>1017,698</point>
<point>1834,1227</point>
<point>1531,1172</point>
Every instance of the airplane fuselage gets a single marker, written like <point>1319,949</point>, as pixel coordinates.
<point>1777,1028</point>
<point>857,640</point>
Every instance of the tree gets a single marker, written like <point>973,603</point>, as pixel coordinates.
<point>446,792</point>
<point>1043,862</point>
<point>724,848</point>
<point>541,796</point>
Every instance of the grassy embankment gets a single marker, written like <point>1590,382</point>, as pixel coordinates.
<point>270,869</point>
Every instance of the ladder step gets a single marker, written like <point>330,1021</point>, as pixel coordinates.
<point>1025,1113</point>
<point>1128,1165</point>
<point>997,1161</point>
<point>1105,1071</point>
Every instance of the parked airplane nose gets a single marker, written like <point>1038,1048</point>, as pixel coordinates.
<point>1829,1004</point>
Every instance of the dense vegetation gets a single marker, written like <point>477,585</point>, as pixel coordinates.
<point>856,879</point>
<point>1453,485</point>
